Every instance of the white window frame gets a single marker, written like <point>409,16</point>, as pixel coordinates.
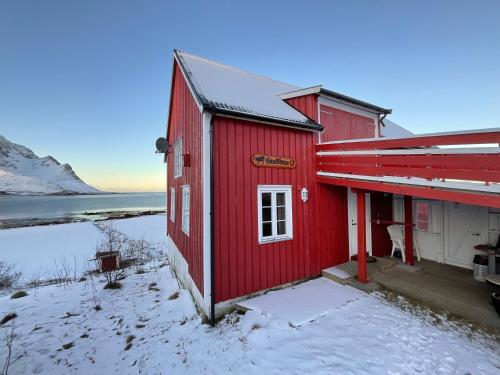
<point>186,208</point>
<point>273,189</point>
<point>429,217</point>
<point>178,161</point>
<point>172,205</point>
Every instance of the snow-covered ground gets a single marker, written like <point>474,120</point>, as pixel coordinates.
<point>35,249</point>
<point>366,336</point>
<point>361,335</point>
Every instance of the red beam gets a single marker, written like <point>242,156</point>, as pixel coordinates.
<point>361,212</point>
<point>478,137</point>
<point>455,161</point>
<point>408,208</point>
<point>479,199</point>
<point>404,171</point>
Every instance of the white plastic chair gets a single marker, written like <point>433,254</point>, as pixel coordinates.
<point>398,241</point>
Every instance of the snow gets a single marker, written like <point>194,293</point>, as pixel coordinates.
<point>35,249</point>
<point>317,297</point>
<point>357,333</point>
<point>337,272</point>
<point>22,172</point>
<point>365,336</point>
<point>393,130</point>
<point>226,87</point>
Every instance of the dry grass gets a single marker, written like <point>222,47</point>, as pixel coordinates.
<point>67,346</point>
<point>8,317</point>
<point>113,285</point>
<point>128,341</point>
<point>19,294</point>
<point>174,296</point>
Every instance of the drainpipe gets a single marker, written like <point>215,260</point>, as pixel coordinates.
<point>381,121</point>
<point>212,220</point>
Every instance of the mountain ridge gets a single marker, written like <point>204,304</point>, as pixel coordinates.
<point>22,172</point>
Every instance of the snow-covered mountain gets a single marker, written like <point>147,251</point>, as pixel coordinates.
<point>24,173</point>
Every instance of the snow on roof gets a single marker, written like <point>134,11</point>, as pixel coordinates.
<point>230,90</point>
<point>393,130</point>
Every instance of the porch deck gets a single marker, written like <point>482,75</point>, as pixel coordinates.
<point>438,285</point>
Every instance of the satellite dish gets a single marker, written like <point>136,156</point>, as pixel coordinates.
<point>161,145</point>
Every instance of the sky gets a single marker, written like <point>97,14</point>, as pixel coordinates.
<point>88,82</point>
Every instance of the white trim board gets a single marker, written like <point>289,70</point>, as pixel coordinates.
<point>458,185</point>
<point>416,151</point>
<point>301,92</point>
<point>206,194</point>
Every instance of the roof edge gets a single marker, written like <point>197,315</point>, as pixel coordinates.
<point>187,75</point>
<point>322,91</point>
<point>313,126</point>
<point>355,101</point>
<point>301,92</point>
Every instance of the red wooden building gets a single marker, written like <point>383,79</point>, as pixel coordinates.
<point>269,183</point>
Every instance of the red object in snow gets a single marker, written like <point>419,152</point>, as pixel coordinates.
<point>108,261</point>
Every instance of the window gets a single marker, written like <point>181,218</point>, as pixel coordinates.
<point>178,158</point>
<point>185,209</point>
<point>172,205</point>
<point>423,216</point>
<point>274,213</point>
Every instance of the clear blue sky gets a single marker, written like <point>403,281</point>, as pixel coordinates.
<point>88,81</point>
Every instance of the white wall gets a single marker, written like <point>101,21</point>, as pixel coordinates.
<point>455,229</point>
<point>430,243</point>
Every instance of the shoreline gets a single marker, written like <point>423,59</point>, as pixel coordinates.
<point>71,194</point>
<point>84,217</point>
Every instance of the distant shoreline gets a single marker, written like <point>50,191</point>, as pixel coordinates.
<point>84,217</point>
<point>5,193</point>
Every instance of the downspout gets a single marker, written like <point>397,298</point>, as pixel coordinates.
<point>212,220</point>
<point>381,121</point>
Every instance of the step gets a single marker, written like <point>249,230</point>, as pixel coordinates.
<point>343,273</point>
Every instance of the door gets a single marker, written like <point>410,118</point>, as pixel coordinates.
<point>465,227</point>
<point>428,228</point>
<point>352,216</point>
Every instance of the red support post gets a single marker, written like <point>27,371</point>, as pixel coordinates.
<point>408,208</point>
<point>361,213</point>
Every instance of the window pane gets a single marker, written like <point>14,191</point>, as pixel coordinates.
<point>280,213</point>
<point>266,213</point>
<point>266,199</point>
<point>281,227</point>
<point>423,216</point>
<point>423,225</point>
<point>280,199</point>
<point>423,207</point>
<point>267,229</point>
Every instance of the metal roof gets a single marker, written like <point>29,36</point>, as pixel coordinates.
<point>227,90</point>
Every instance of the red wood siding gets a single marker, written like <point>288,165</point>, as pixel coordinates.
<point>307,104</point>
<point>381,210</point>
<point>186,123</point>
<point>319,226</point>
<point>340,125</point>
